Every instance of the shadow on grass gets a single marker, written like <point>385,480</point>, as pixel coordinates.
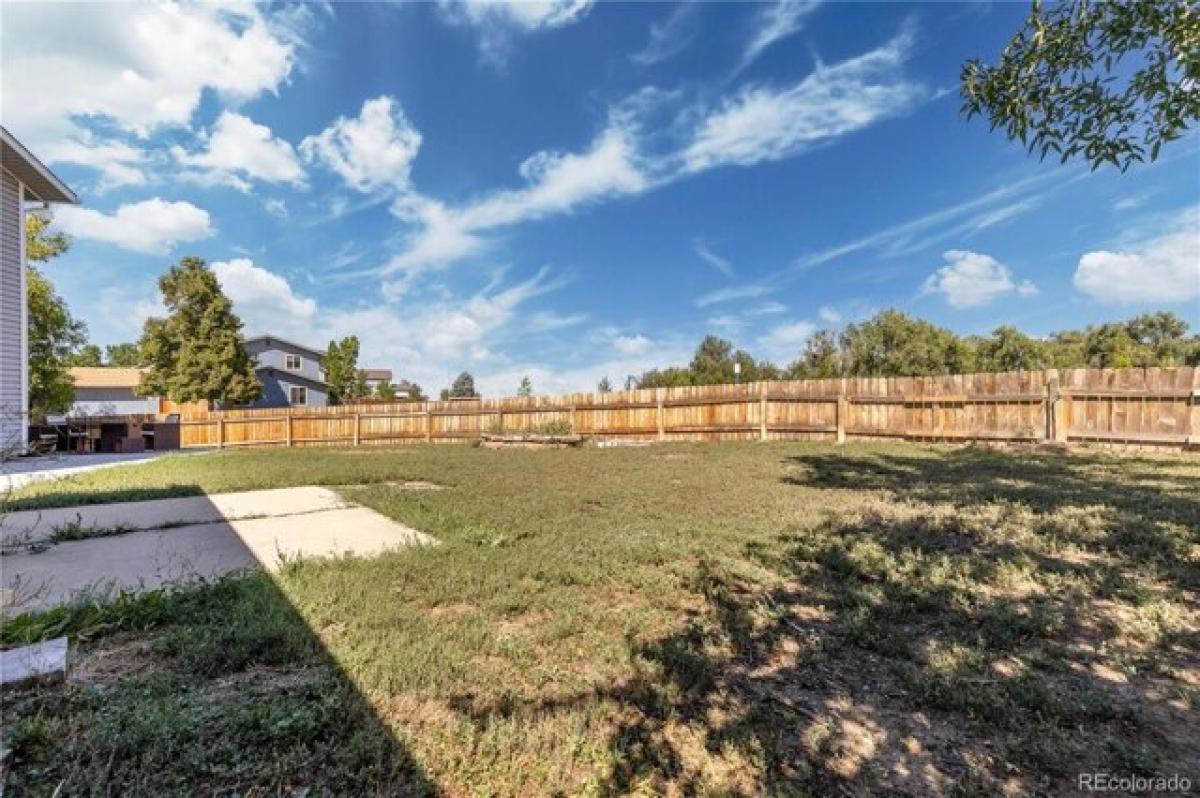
<point>222,688</point>
<point>914,650</point>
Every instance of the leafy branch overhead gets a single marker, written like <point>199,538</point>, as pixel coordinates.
<point>1110,82</point>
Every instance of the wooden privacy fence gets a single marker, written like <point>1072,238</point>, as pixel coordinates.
<point>1157,407</point>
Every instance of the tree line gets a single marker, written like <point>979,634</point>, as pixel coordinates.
<point>894,344</point>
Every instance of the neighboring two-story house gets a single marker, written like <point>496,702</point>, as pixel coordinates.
<point>290,373</point>
<point>373,378</point>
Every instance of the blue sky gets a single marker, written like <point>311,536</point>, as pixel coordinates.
<point>572,190</point>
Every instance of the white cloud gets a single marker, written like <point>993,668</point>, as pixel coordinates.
<point>714,260</point>
<point>829,315</point>
<point>372,151</point>
<point>555,183</point>
<point>152,226</point>
<point>625,160</point>
<point>239,148</point>
<point>632,344</point>
<point>667,37</point>
<point>972,279</point>
<point>899,238</point>
<point>776,22</point>
<point>782,343</point>
<point>135,67</point>
<point>765,124</point>
<point>264,300</point>
<point>276,207</point>
<point>731,293</point>
<point>1161,268</point>
<point>499,21</point>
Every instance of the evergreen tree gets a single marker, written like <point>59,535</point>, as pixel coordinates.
<point>525,389</point>
<point>1009,349</point>
<point>463,387</point>
<point>196,352</point>
<point>385,391</point>
<point>604,386</point>
<point>819,360</point>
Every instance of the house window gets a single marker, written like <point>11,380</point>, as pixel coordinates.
<point>298,395</point>
<point>291,362</point>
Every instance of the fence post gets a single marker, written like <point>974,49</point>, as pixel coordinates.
<point>428,426</point>
<point>662,428</point>
<point>289,427</point>
<point>762,411</point>
<point>220,433</point>
<point>357,418</point>
<point>1056,428</point>
<point>843,405</point>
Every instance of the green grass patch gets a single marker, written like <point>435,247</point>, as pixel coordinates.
<point>729,619</point>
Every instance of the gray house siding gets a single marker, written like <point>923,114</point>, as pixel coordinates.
<point>13,374</point>
<point>277,379</point>
<point>272,353</point>
<point>277,389</point>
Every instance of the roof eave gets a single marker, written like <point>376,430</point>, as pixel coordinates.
<point>40,183</point>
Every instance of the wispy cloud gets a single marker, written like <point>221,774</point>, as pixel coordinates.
<point>766,124</point>
<point>500,22</point>
<point>630,155</point>
<point>714,260</point>
<point>774,23</point>
<point>729,294</point>
<point>900,237</point>
<point>669,36</point>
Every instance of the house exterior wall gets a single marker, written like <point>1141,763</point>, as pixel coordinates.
<point>274,356</point>
<point>14,367</point>
<point>277,390</point>
<point>111,402</point>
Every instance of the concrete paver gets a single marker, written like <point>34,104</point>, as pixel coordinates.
<point>29,526</point>
<point>45,660</point>
<point>238,531</point>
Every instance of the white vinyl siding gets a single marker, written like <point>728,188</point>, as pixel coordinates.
<point>298,395</point>
<point>13,387</point>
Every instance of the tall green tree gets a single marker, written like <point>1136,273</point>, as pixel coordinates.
<point>1110,82</point>
<point>525,389</point>
<point>1009,349</point>
<point>819,360</point>
<point>196,352</point>
<point>342,374</point>
<point>604,386</point>
<point>54,334</point>
<point>893,344</point>
<point>88,355</point>
<point>124,354</point>
<point>385,391</point>
<point>416,393</point>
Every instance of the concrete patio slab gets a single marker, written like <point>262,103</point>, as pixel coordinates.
<point>138,561</point>
<point>30,526</point>
<point>45,660</point>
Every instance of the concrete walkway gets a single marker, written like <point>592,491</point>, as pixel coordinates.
<point>30,526</point>
<point>274,526</point>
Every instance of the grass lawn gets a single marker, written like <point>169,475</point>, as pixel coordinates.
<point>732,619</point>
